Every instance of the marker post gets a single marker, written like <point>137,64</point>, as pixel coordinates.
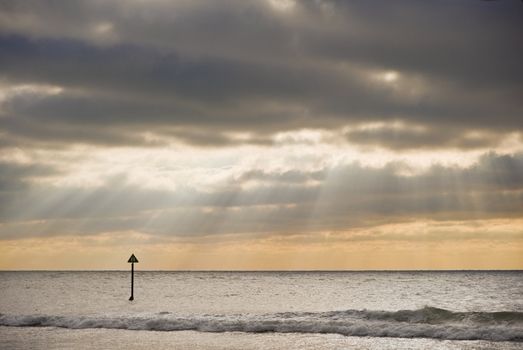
<point>132,260</point>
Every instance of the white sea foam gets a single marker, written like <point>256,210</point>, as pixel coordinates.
<point>423,323</point>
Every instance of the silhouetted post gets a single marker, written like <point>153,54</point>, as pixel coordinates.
<point>132,260</point>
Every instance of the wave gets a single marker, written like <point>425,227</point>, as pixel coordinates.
<point>428,322</point>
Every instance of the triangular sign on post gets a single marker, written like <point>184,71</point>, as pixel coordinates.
<point>132,259</point>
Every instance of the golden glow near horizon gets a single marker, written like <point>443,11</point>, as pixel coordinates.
<point>405,248</point>
<point>300,135</point>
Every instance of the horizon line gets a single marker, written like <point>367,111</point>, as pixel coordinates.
<point>270,270</point>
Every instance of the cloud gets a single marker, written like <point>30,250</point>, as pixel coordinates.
<point>411,138</point>
<point>271,202</point>
<point>146,74</point>
<point>18,176</point>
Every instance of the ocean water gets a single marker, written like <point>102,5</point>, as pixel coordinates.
<point>262,310</point>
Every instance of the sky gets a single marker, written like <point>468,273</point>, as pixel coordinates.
<point>261,135</point>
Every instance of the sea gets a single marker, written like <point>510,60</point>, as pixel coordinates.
<point>261,310</point>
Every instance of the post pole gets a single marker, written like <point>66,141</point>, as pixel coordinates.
<point>132,282</point>
<point>131,261</point>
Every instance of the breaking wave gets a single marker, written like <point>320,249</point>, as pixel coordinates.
<point>428,322</point>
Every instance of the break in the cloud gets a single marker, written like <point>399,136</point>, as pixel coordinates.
<point>260,123</point>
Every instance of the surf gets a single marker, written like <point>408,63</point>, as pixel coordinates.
<point>428,322</point>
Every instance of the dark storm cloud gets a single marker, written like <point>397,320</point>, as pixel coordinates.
<point>281,202</point>
<point>196,71</point>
